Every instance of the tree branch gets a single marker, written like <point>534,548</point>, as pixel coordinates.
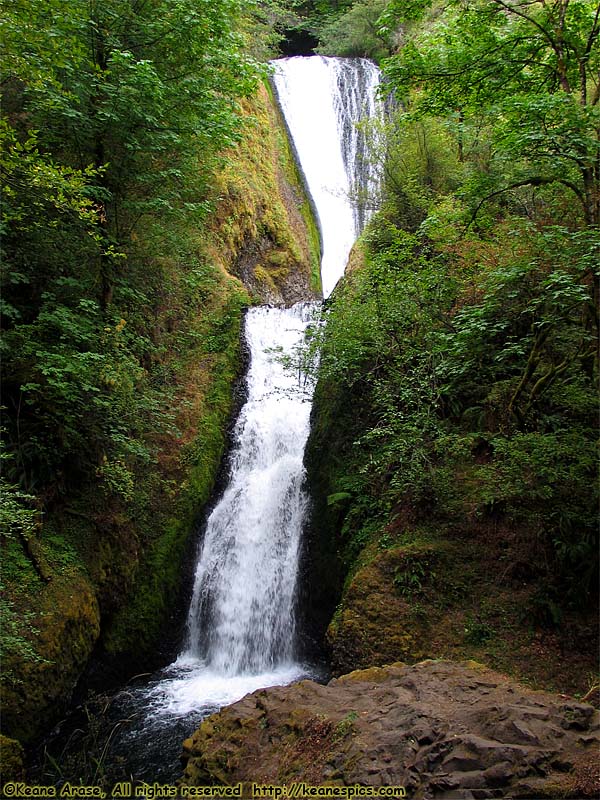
<point>535,181</point>
<point>554,44</point>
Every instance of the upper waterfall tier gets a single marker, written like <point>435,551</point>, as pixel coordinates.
<point>323,100</point>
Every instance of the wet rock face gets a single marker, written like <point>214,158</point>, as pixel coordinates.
<point>440,729</point>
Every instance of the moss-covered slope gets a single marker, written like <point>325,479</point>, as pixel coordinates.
<point>263,230</point>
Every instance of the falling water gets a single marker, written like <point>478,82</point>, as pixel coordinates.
<point>241,625</point>
<point>241,617</point>
<point>322,100</point>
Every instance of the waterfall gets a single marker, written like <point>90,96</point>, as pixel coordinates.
<point>241,624</point>
<point>322,100</point>
<point>241,617</point>
<point>241,632</point>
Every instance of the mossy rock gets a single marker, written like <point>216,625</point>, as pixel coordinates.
<point>12,757</point>
<point>68,626</point>
<point>371,674</point>
<point>374,625</point>
<point>263,230</point>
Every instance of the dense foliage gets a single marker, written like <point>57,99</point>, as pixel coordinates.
<point>468,339</point>
<point>466,343</point>
<point>115,117</point>
<point>113,123</point>
<point>330,27</point>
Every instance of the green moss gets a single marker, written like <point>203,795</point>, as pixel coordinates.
<point>279,258</point>
<point>67,625</point>
<point>11,760</point>
<point>315,247</point>
<point>17,569</point>
<point>158,574</point>
<point>371,675</point>
<point>263,276</point>
<point>293,175</point>
<point>260,218</point>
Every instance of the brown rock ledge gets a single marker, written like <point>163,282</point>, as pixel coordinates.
<point>441,729</point>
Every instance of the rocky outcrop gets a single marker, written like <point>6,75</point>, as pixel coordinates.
<point>263,230</point>
<point>440,729</point>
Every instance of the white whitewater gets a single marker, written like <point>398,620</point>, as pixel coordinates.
<point>241,627</point>
<point>241,617</point>
<point>241,623</point>
<point>322,100</point>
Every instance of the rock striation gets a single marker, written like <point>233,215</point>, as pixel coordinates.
<point>441,729</point>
